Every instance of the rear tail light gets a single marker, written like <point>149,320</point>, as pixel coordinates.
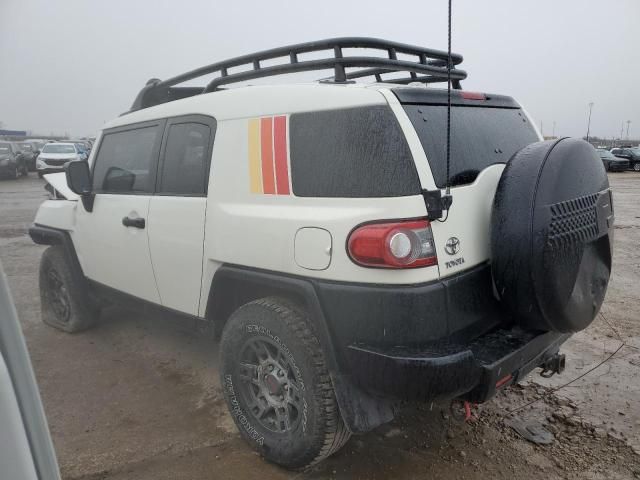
<point>393,245</point>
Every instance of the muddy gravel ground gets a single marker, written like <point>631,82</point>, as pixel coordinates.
<point>139,398</point>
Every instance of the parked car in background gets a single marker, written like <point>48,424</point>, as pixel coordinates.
<point>12,162</point>
<point>29,153</point>
<point>631,154</point>
<point>83,147</point>
<point>611,162</point>
<point>54,156</point>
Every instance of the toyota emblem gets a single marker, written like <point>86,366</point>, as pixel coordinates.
<point>452,246</point>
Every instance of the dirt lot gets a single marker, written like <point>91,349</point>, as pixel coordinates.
<point>139,397</point>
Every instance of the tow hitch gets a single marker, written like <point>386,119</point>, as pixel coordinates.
<point>553,365</point>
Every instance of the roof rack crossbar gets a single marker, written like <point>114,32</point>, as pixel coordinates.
<point>430,63</point>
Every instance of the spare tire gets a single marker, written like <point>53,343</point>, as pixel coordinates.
<point>551,235</point>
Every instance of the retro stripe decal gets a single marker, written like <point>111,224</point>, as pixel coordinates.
<point>268,155</point>
<point>280,153</point>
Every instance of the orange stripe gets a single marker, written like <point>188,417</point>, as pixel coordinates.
<point>280,150</point>
<point>266,139</point>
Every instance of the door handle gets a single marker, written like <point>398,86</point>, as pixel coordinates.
<point>133,222</point>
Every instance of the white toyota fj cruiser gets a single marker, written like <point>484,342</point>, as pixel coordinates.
<point>345,263</point>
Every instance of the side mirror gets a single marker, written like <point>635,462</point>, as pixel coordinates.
<point>78,177</point>
<point>79,181</point>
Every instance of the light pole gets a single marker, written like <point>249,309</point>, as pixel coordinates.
<point>589,123</point>
<point>628,123</point>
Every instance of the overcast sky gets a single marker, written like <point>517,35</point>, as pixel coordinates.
<point>71,65</point>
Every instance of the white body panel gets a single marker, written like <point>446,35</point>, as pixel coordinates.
<point>176,235</point>
<point>59,182</point>
<point>112,254</point>
<point>57,214</point>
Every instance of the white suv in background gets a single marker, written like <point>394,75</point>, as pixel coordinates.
<point>345,264</point>
<point>54,156</point>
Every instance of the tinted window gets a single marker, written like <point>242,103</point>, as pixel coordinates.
<point>356,152</point>
<point>125,160</point>
<point>479,137</point>
<point>184,171</point>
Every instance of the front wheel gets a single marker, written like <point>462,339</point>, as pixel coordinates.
<point>277,386</point>
<point>636,167</point>
<point>64,302</point>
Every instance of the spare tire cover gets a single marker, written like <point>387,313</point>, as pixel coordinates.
<point>551,235</point>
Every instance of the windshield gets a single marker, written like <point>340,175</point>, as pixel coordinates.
<point>479,137</point>
<point>58,148</point>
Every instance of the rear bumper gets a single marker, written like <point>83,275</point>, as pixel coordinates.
<point>444,339</point>
<point>474,372</point>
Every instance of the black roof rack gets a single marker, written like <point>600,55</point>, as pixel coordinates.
<point>429,66</point>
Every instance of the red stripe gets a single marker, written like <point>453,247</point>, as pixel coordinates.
<point>266,140</point>
<point>280,149</point>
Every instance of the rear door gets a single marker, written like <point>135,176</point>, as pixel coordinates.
<point>112,240</point>
<point>485,132</point>
<point>177,212</point>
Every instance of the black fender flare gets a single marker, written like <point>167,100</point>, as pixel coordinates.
<point>233,286</point>
<point>43,235</point>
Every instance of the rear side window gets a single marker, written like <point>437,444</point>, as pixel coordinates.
<point>480,137</point>
<point>355,152</point>
<point>126,160</point>
<point>185,165</point>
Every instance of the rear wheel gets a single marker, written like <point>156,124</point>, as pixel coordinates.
<point>277,386</point>
<point>64,303</point>
<point>636,167</point>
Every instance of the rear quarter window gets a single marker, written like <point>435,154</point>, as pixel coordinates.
<point>356,152</point>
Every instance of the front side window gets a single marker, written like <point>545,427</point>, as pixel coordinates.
<point>125,161</point>
<point>184,170</point>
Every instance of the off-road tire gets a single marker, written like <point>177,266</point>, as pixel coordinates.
<point>64,303</point>
<point>320,430</point>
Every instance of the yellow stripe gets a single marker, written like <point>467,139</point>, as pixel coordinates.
<point>255,171</point>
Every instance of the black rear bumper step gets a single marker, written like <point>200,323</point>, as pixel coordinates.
<point>473,372</point>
